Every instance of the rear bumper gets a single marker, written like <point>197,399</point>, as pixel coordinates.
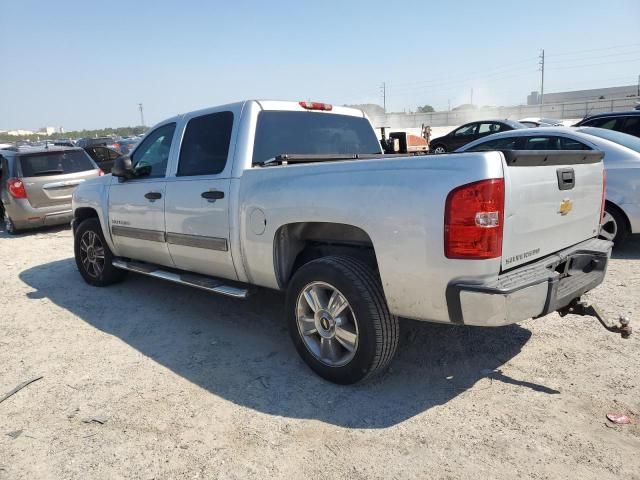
<point>24,216</point>
<point>533,290</point>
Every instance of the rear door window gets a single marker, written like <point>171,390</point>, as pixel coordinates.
<point>205,145</point>
<point>608,123</point>
<point>497,144</point>
<point>631,126</point>
<point>279,132</point>
<point>571,144</point>
<point>55,163</point>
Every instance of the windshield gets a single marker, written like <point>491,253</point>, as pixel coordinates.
<point>55,163</point>
<point>629,141</point>
<point>279,132</point>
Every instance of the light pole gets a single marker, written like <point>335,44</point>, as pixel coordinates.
<point>141,114</point>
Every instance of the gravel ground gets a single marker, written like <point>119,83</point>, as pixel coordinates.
<point>151,380</point>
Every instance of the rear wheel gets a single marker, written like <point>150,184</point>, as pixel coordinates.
<point>93,256</point>
<point>9,226</point>
<point>614,225</point>
<point>339,320</point>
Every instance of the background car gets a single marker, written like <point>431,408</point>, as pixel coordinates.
<point>36,184</point>
<point>103,156</point>
<point>127,145</point>
<point>470,132</point>
<point>621,160</point>
<point>99,141</point>
<point>541,122</point>
<point>625,122</point>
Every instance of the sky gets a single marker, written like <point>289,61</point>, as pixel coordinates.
<point>80,64</point>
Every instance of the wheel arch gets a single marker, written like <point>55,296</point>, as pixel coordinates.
<point>298,243</point>
<point>623,214</point>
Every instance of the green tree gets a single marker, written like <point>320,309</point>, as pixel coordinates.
<point>425,109</point>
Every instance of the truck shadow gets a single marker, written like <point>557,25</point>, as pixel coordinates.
<point>629,250</point>
<point>241,351</point>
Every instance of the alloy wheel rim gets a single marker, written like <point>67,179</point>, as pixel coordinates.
<point>92,253</point>
<point>327,324</point>
<point>609,227</point>
<point>439,150</point>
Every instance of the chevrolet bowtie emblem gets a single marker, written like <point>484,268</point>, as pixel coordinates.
<point>565,206</point>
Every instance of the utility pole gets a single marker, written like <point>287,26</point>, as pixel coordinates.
<point>384,96</point>
<point>471,97</point>
<point>141,114</point>
<point>541,63</point>
<point>449,104</point>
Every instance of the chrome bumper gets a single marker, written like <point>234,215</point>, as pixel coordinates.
<point>533,290</point>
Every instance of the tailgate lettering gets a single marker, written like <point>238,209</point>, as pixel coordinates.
<point>522,256</point>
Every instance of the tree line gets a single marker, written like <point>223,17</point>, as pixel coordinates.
<point>100,132</point>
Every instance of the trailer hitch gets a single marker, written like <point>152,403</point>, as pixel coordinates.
<point>584,308</point>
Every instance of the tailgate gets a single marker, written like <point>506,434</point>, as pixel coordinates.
<point>552,201</point>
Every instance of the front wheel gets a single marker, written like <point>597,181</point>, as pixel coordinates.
<point>93,256</point>
<point>439,149</point>
<point>339,320</point>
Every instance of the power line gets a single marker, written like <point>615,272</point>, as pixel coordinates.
<point>594,49</point>
<point>507,67</point>
<point>596,64</point>
<point>609,55</point>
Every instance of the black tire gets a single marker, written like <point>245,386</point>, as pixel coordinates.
<point>108,275</point>
<point>439,146</point>
<point>9,226</point>
<point>616,226</point>
<point>378,330</point>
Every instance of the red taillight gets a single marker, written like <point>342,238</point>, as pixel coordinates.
<point>604,194</point>
<point>16,188</point>
<point>473,220</point>
<point>316,106</point>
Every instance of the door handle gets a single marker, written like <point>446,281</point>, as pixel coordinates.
<point>153,196</point>
<point>566,178</point>
<point>212,195</point>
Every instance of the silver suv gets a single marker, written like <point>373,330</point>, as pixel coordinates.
<point>36,185</point>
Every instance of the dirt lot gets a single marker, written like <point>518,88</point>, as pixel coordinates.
<point>147,380</point>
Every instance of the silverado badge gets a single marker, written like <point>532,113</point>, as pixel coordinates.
<point>565,206</point>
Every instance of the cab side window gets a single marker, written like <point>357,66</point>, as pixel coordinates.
<point>154,150</point>
<point>205,145</point>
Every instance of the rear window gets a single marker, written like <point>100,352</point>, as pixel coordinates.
<point>623,139</point>
<point>278,133</point>
<point>55,163</point>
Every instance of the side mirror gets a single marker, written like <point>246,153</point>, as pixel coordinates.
<point>122,167</point>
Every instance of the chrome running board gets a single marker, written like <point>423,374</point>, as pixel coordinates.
<point>202,282</point>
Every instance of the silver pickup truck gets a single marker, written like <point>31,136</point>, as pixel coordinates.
<point>298,197</point>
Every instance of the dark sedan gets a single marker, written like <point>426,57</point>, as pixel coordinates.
<point>625,122</point>
<point>104,156</point>
<point>470,132</point>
